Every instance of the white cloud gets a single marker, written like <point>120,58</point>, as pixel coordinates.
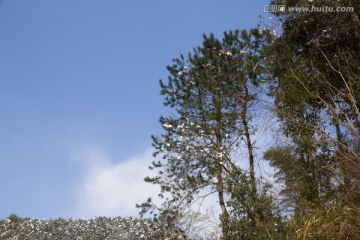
<point>113,189</point>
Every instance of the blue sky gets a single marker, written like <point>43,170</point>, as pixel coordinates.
<point>79,96</point>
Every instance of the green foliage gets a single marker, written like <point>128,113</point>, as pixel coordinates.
<point>242,218</point>
<point>316,98</point>
<point>207,91</point>
<point>14,218</point>
<point>313,79</point>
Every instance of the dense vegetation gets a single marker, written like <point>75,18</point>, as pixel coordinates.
<point>307,78</point>
<point>96,228</point>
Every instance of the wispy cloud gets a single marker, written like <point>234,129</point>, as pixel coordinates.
<point>112,189</point>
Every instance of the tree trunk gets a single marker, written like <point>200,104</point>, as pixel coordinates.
<point>254,197</point>
<point>220,187</point>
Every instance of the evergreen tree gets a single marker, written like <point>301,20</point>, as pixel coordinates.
<point>212,92</point>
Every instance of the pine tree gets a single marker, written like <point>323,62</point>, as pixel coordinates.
<point>212,92</point>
